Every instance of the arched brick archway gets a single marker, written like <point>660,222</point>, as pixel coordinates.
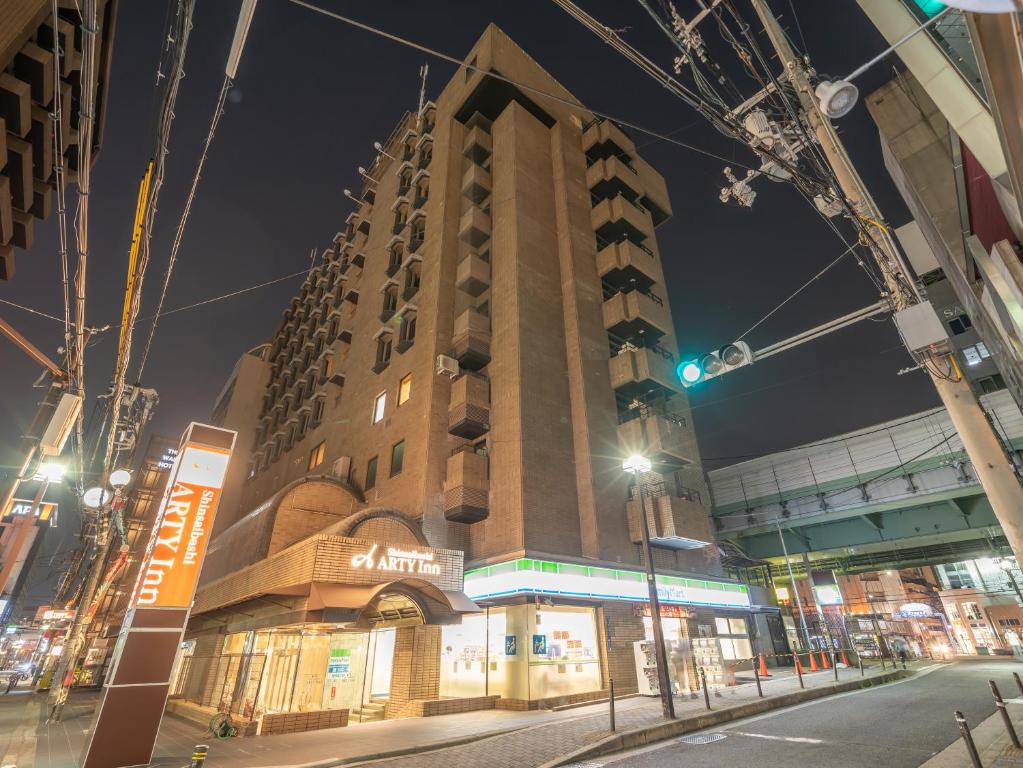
<point>381,523</point>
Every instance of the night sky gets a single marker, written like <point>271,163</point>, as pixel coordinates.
<point>311,97</point>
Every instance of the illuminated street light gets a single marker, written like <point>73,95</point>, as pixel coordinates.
<point>50,471</point>
<point>94,498</point>
<point>120,478</point>
<point>637,463</point>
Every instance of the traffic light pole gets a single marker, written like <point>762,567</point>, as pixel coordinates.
<point>980,442</point>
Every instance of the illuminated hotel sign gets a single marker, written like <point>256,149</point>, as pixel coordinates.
<point>171,571</point>
<point>22,507</point>
<point>138,682</point>
<point>916,610</point>
<point>397,561</point>
<point>529,576</point>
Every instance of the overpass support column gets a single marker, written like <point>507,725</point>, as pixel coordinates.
<point>993,468</point>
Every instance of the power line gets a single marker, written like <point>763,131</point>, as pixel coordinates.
<point>497,76</point>
<point>33,311</point>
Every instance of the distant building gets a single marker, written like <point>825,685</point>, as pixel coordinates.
<point>27,106</point>
<point>983,604</point>
<point>435,512</point>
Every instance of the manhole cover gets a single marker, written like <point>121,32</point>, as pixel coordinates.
<point>702,738</point>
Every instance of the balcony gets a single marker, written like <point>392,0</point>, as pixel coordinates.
<point>617,218</point>
<point>474,227</point>
<point>471,342</point>
<point>636,314</point>
<point>478,145</point>
<point>469,412</point>
<point>613,176</point>
<point>603,139</point>
<point>655,191</point>
<point>627,264</point>
<point>675,522</point>
<point>467,488</point>
<point>635,372</point>
<point>473,275</point>
<point>477,184</point>
<point>665,441</point>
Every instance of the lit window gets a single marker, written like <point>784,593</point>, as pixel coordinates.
<point>371,473</point>
<point>397,457</point>
<point>379,404</point>
<point>405,389</point>
<point>316,455</point>
<point>976,353</point>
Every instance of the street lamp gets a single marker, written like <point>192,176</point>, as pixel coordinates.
<point>98,497</point>
<point>638,464</point>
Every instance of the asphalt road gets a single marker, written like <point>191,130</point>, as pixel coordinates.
<point>897,726</point>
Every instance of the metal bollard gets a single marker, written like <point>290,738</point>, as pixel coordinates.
<point>964,731</point>
<point>903,662</point>
<point>1019,683</point>
<point>706,692</point>
<point>199,755</point>
<point>1005,714</point>
<point>756,676</point>
<point>834,665</point>
<point>799,670</point>
<point>859,659</point>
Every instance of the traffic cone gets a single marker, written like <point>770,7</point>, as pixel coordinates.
<point>824,661</point>
<point>763,667</point>
<point>845,660</point>
<point>813,662</point>
<point>799,667</point>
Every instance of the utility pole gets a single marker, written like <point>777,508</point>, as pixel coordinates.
<point>979,439</point>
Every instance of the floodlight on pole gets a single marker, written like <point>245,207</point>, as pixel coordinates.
<point>379,148</point>
<point>365,175</point>
<point>120,478</point>
<point>637,463</point>
<point>350,196</point>
<point>838,97</point>
<point>94,498</point>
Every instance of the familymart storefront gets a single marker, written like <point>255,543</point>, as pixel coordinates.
<point>551,631</point>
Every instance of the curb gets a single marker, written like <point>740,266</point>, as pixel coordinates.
<point>639,737</point>
<point>355,760</point>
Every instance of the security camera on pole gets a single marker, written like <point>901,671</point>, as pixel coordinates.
<point>916,320</point>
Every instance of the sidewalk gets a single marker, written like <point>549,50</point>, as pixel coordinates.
<point>496,738</point>
<point>991,739</point>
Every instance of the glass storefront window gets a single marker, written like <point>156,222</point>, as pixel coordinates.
<point>563,652</point>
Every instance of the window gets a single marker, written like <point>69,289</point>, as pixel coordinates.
<point>383,352</point>
<point>379,405</point>
<point>316,455</point>
<point>972,611</point>
<point>397,457</point>
<point>960,324</point>
<point>991,383</point>
<point>371,473</point>
<point>317,411</point>
<point>405,389</point>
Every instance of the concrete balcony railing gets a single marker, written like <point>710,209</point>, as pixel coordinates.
<point>673,521</point>
<point>617,218</point>
<point>611,176</point>
<point>469,412</point>
<point>473,275</point>
<point>634,314</point>
<point>474,227</point>
<point>467,488</point>
<point>625,264</point>
<point>478,145</point>
<point>666,442</point>
<point>609,136</point>
<point>636,372</point>
<point>470,344</point>
<point>655,191</point>
<point>477,183</point>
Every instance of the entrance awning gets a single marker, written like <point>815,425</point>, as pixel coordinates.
<point>363,605</point>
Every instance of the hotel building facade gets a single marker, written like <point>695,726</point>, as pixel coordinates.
<point>434,516</point>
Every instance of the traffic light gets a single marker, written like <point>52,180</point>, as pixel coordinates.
<point>728,358</point>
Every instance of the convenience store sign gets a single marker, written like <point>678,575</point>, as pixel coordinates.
<point>529,576</point>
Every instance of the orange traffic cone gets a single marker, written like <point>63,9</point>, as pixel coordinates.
<point>824,661</point>
<point>813,662</point>
<point>799,667</point>
<point>763,667</point>
<point>845,660</point>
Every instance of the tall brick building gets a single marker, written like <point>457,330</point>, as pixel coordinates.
<point>461,376</point>
<point>27,90</point>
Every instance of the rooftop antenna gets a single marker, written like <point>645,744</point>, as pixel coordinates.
<point>423,72</point>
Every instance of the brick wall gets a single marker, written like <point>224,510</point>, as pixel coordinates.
<point>296,722</point>
<point>415,672</point>
<point>626,629</point>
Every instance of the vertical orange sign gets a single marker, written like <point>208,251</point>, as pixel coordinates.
<point>171,570</point>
